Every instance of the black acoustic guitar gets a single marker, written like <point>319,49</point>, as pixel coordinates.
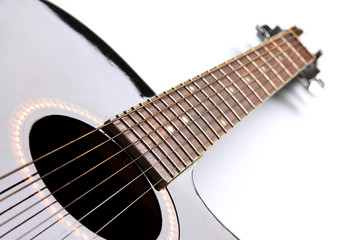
<point>89,151</point>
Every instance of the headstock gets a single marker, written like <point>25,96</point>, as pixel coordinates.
<point>309,74</point>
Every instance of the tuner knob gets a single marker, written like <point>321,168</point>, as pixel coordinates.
<point>265,32</point>
<point>316,86</point>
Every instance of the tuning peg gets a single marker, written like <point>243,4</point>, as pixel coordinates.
<point>316,86</point>
<point>265,32</point>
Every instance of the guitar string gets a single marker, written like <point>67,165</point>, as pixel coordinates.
<point>105,141</point>
<point>291,77</point>
<point>104,202</point>
<point>262,74</point>
<point>88,171</point>
<point>78,156</point>
<point>115,216</point>
<point>129,183</point>
<point>156,97</point>
<point>184,85</point>
<point>43,230</point>
<point>127,146</point>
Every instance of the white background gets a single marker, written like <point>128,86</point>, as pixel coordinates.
<point>291,169</point>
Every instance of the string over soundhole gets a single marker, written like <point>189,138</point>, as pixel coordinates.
<point>94,180</point>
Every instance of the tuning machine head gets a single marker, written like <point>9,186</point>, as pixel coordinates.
<point>315,85</point>
<point>264,32</point>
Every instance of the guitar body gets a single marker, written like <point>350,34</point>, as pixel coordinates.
<point>51,65</point>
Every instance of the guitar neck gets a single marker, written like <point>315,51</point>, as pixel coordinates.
<point>170,131</point>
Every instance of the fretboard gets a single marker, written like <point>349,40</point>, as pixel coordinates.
<point>170,131</point>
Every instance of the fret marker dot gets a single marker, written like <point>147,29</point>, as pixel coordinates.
<point>185,119</point>
<point>192,88</point>
<point>223,122</point>
<point>170,129</point>
<point>263,68</point>
<point>231,89</point>
<point>247,79</point>
<point>281,58</point>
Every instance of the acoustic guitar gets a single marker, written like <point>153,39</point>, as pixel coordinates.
<point>89,151</point>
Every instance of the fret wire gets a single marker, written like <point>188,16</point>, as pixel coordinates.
<point>279,62</point>
<point>166,142</point>
<point>222,99</point>
<point>206,108</point>
<point>294,51</point>
<point>170,133</point>
<point>247,52</point>
<point>240,90</point>
<point>163,139</point>
<point>201,129</point>
<point>276,77</point>
<point>271,67</point>
<point>227,90</point>
<point>182,134</point>
<point>254,78</point>
<point>263,73</point>
<point>298,52</point>
<point>217,105</point>
<point>188,127</point>
<point>286,56</point>
<point>305,53</point>
<point>149,149</point>
<point>123,120</point>
<point>195,123</point>
<point>294,37</point>
<point>227,104</point>
<point>148,134</point>
<point>167,156</point>
<point>246,82</point>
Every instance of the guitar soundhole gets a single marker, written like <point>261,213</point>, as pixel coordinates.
<point>117,205</point>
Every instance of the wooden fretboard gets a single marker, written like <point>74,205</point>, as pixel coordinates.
<point>170,131</point>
